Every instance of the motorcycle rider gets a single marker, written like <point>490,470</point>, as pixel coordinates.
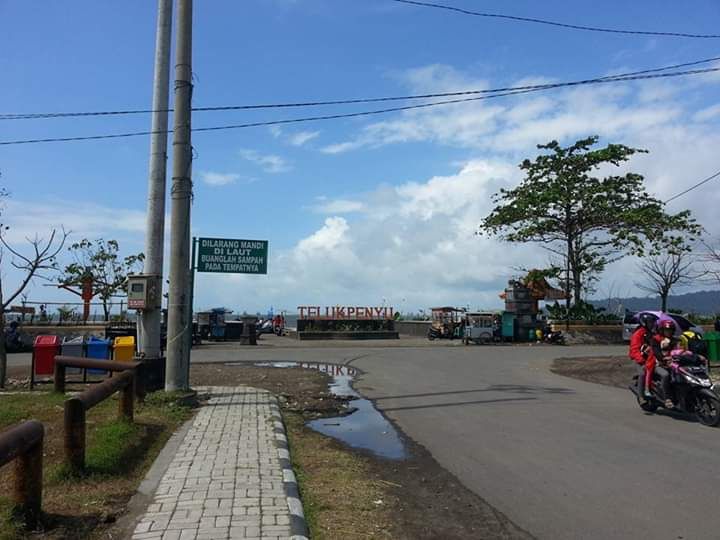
<point>641,352</point>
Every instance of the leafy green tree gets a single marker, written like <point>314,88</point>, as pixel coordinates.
<point>101,260</point>
<point>586,219</point>
<point>66,313</point>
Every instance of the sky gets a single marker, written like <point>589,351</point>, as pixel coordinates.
<point>361,211</point>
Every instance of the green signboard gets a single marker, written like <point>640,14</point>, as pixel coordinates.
<point>232,256</point>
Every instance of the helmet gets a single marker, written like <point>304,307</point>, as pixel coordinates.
<point>646,320</point>
<point>666,324</point>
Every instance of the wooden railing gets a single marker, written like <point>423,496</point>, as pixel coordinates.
<point>77,406</point>
<point>24,444</point>
<point>64,362</point>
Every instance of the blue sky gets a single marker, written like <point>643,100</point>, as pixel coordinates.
<point>357,210</point>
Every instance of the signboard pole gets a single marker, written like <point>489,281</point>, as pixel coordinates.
<point>193,267</point>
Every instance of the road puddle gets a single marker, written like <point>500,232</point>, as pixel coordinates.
<point>364,427</point>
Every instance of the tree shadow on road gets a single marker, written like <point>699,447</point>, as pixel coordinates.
<point>456,404</point>
<point>515,388</point>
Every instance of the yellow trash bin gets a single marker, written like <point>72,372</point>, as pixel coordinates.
<point>124,348</point>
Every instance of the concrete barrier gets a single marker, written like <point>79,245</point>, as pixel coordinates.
<point>62,331</point>
<point>591,334</point>
<point>412,328</point>
<point>380,334</point>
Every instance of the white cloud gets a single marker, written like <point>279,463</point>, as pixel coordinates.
<point>510,124</point>
<point>416,239</point>
<point>299,139</point>
<point>219,179</point>
<point>708,113</point>
<point>26,219</point>
<point>328,238</point>
<point>338,206</point>
<point>339,148</point>
<point>267,162</point>
<point>36,219</point>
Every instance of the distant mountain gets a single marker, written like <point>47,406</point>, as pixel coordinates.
<point>701,303</point>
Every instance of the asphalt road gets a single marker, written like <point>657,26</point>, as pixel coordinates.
<point>562,458</point>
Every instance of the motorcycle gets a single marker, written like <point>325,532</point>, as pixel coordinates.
<point>434,333</point>
<point>691,390</point>
<point>554,338</point>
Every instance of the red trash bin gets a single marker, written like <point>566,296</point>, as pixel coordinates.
<point>45,349</point>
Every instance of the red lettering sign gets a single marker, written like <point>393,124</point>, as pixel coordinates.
<point>345,312</point>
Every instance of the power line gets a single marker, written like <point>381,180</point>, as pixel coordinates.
<point>554,23</point>
<point>375,112</point>
<point>695,186</point>
<point>26,116</point>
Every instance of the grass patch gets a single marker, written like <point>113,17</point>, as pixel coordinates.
<point>10,414</point>
<point>118,454</point>
<point>112,450</point>
<point>110,446</point>
<point>10,527</point>
<point>340,495</point>
<point>15,408</point>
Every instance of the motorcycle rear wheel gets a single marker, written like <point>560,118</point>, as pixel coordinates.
<point>707,409</point>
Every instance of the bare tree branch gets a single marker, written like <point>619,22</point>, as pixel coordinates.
<point>663,272</point>
<point>43,258</point>
<point>710,258</point>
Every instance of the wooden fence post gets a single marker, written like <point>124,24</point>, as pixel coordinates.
<point>59,378</point>
<point>23,443</point>
<point>28,482</point>
<point>75,434</point>
<point>127,396</point>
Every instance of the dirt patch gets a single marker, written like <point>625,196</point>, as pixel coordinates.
<point>349,494</point>
<point>303,391</point>
<point>352,494</point>
<point>611,371</point>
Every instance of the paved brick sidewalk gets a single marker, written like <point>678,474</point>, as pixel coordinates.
<point>231,476</point>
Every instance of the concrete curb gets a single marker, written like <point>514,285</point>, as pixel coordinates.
<point>298,525</point>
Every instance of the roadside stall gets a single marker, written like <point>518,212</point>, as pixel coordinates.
<point>479,328</point>
<point>446,323</point>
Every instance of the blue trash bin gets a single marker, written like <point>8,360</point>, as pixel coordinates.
<point>98,349</point>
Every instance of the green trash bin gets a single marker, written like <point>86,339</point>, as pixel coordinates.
<point>712,339</point>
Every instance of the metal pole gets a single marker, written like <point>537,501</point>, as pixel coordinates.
<point>180,195</point>
<point>149,323</point>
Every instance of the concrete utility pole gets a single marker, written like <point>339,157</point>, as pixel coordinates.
<point>155,228</point>
<point>178,353</point>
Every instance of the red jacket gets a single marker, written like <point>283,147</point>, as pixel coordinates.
<point>639,352</point>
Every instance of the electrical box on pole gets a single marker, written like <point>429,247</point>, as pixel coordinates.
<point>144,292</point>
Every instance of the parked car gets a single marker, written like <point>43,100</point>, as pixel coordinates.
<point>630,323</point>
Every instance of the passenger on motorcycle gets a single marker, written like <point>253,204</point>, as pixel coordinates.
<point>663,343</point>
<point>641,351</point>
